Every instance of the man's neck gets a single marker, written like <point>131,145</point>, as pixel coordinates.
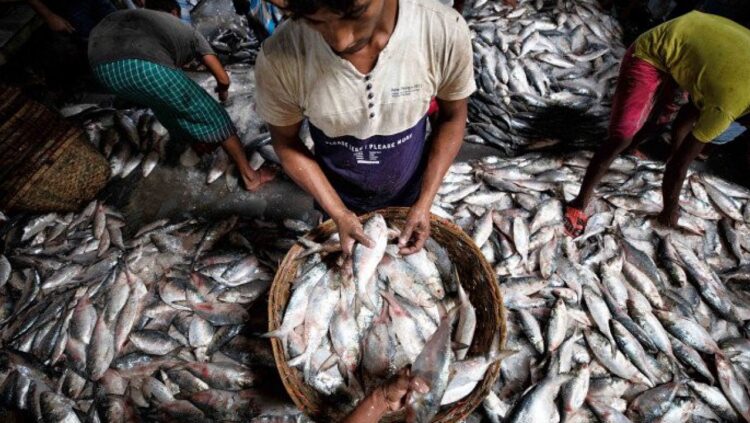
<point>364,60</point>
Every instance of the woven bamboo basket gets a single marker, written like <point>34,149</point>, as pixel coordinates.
<point>46,163</point>
<point>477,278</point>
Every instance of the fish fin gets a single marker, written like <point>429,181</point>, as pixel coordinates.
<point>387,294</point>
<point>300,359</point>
<point>495,346</point>
<point>442,311</point>
<point>354,384</point>
<point>453,313</point>
<point>362,295</point>
<point>503,354</point>
<point>332,360</point>
<point>308,243</point>
<point>307,253</point>
<point>343,370</point>
<point>457,346</point>
<point>357,304</point>
<point>454,274</point>
<point>741,312</point>
<point>280,333</point>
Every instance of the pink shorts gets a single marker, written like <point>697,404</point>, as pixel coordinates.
<point>433,109</point>
<point>641,89</point>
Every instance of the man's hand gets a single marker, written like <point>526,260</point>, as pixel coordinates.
<point>395,390</point>
<point>217,70</point>
<point>223,91</point>
<point>416,230</point>
<point>391,396</point>
<point>351,231</point>
<point>223,94</point>
<point>575,221</point>
<point>58,24</point>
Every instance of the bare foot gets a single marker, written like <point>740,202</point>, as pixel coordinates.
<point>638,154</point>
<point>253,181</point>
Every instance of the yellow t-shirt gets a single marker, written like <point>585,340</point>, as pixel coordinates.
<point>709,56</point>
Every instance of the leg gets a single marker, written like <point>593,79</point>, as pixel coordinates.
<point>599,165</point>
<point>669,101</point>
<point>683,124</point>
<point>674,177</point>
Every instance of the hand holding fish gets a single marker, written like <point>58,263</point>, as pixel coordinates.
<point>389,397</point>
<point>416,231</point>
<point>396,389</point>
<point>350,231</point>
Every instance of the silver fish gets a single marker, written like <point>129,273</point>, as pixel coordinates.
<point>432,366</point>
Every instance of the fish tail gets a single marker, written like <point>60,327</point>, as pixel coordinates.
<point>300,359</point>
<point>362,295</point>
<point>278,333</point>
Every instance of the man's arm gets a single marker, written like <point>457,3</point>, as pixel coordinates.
<point>674,176</point>
<point>54,21</point>
<point>301,166</point>
<point>217,70</point>
<point>447,137</point>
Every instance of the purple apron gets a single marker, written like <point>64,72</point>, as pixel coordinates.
<point>381,171</point>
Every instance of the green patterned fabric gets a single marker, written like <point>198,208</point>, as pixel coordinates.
<point>181,105</point>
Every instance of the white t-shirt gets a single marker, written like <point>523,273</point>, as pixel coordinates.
<point>365,126</point>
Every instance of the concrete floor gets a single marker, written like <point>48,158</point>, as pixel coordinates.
<point>178,192</point>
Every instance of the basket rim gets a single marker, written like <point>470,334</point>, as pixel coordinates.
<point>290,377</point>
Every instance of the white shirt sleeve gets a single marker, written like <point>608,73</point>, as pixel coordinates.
<point>458,64</point>
<point>276,99</point>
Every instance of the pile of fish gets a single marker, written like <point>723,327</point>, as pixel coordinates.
<point>99,326</point>
<point>227,30</point>
<point>130,139</point>
<point>629,321</point>
<point>133,140</point>
<point>350,325</point>
<point>235,43</point>
<point>541,68</point>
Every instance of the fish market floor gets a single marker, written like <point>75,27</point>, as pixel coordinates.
<point>175,192</point>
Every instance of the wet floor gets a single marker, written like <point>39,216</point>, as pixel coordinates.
<point>177,192</point>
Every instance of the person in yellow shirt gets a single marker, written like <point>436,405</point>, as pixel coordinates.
<point>706,55</point>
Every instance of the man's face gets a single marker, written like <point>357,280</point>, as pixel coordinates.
<point>347,34</point>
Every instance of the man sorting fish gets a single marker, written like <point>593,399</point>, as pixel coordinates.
<point>364,73</point>
<point>137,54</point>
<point>706,55</point>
